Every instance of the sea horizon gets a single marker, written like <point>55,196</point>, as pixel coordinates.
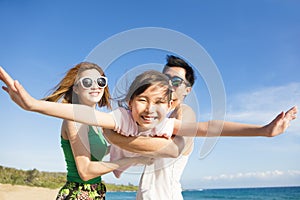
<point>252,193</point>
<point>241,187</point>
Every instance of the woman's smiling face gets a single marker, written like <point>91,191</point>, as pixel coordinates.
<point>92,95</point>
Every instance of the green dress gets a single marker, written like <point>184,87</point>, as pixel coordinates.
<point>76,188</point>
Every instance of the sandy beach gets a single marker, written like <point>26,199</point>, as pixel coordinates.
<point>18,192</point>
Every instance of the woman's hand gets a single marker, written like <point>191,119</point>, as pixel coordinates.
<point>281,122</point>
<point>16,92</point>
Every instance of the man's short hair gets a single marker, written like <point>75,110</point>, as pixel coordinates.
<point>174,61</point>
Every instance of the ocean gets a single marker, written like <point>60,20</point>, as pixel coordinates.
<point>270,193</point>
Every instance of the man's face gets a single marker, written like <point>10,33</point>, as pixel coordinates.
<point>180,84</point>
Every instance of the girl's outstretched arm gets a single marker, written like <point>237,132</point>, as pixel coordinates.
<point>80,113</point>
<point>215,128</point>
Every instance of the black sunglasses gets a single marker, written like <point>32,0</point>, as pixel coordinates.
<point>177,81</point>
<point>87,82</point>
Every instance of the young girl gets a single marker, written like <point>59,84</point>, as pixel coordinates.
<point>143,112</point>
<point>84,146</point>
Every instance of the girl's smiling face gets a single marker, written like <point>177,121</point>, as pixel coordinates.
<point>92,95</point>
<point>150,107</point>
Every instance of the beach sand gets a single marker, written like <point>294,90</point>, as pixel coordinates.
<point>18,192</point>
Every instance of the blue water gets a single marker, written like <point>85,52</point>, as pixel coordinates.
<point>274,193</point>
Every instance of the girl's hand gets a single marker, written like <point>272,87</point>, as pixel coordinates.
<point>16,92</point>
<point>281,122</point>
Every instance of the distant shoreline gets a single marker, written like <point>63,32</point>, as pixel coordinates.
<point>55,180</point>
<point>50,180</point>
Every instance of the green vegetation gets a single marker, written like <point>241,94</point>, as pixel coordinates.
<point>51,180</point>
<point>31,178</point>
<point>115,188</point>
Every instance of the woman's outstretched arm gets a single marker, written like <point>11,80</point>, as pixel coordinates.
<point>80,113</point>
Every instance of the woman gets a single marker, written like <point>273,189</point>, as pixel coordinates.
<point>84,146</point>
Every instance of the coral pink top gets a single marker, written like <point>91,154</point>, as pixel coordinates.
<point>125,125</point>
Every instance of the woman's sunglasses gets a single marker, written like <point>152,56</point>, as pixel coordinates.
<point>87,82</point>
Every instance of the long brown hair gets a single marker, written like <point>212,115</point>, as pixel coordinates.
<point>64,89</point>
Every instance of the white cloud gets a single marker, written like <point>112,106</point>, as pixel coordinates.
<point>255,175</point>
<point>271,178</point>
<point>262,105</point>
<point>270,97</point>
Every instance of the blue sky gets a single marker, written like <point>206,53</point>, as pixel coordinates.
<point>254,44</point>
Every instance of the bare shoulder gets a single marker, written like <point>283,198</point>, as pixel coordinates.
<point>185,107</point>
<point>70,128</point>
<point>187,113</point>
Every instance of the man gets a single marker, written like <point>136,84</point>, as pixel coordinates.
<point>161,180</point>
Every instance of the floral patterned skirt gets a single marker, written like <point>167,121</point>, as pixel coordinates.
<point>82,191</point>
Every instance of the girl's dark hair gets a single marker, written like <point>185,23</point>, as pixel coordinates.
<point>142,82</point>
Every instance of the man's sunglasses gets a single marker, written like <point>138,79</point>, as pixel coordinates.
<point>177,81</point>
<point>87,82</point>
